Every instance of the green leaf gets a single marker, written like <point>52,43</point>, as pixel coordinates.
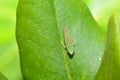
<point>2,77</point>
<point>110,66</point>
<point>40,39</point>
<point>9,61</point>
<point>102,10</point>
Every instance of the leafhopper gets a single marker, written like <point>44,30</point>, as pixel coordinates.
<point>68,42</point>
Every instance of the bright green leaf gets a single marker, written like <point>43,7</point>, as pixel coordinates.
<point>40,39</point>
<point>110,66</point>
<point>2,77</point>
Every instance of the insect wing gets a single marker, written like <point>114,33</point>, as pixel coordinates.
<point>68,41</point>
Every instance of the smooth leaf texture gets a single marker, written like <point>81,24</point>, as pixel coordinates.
<point>110,66</point>
<point>2,77</point>
<point>39,34</point>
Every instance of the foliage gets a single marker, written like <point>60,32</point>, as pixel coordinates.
<point>84,32</point>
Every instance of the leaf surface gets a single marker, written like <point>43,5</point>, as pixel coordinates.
<point>2,77</point>
<point>110,66</point>
<point>40,39</point>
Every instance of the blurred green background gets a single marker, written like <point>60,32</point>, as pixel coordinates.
<point>9,56</point>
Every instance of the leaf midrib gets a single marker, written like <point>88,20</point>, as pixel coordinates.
<point>63,52</point>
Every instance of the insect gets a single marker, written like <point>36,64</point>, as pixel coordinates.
<point>68,42</point>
